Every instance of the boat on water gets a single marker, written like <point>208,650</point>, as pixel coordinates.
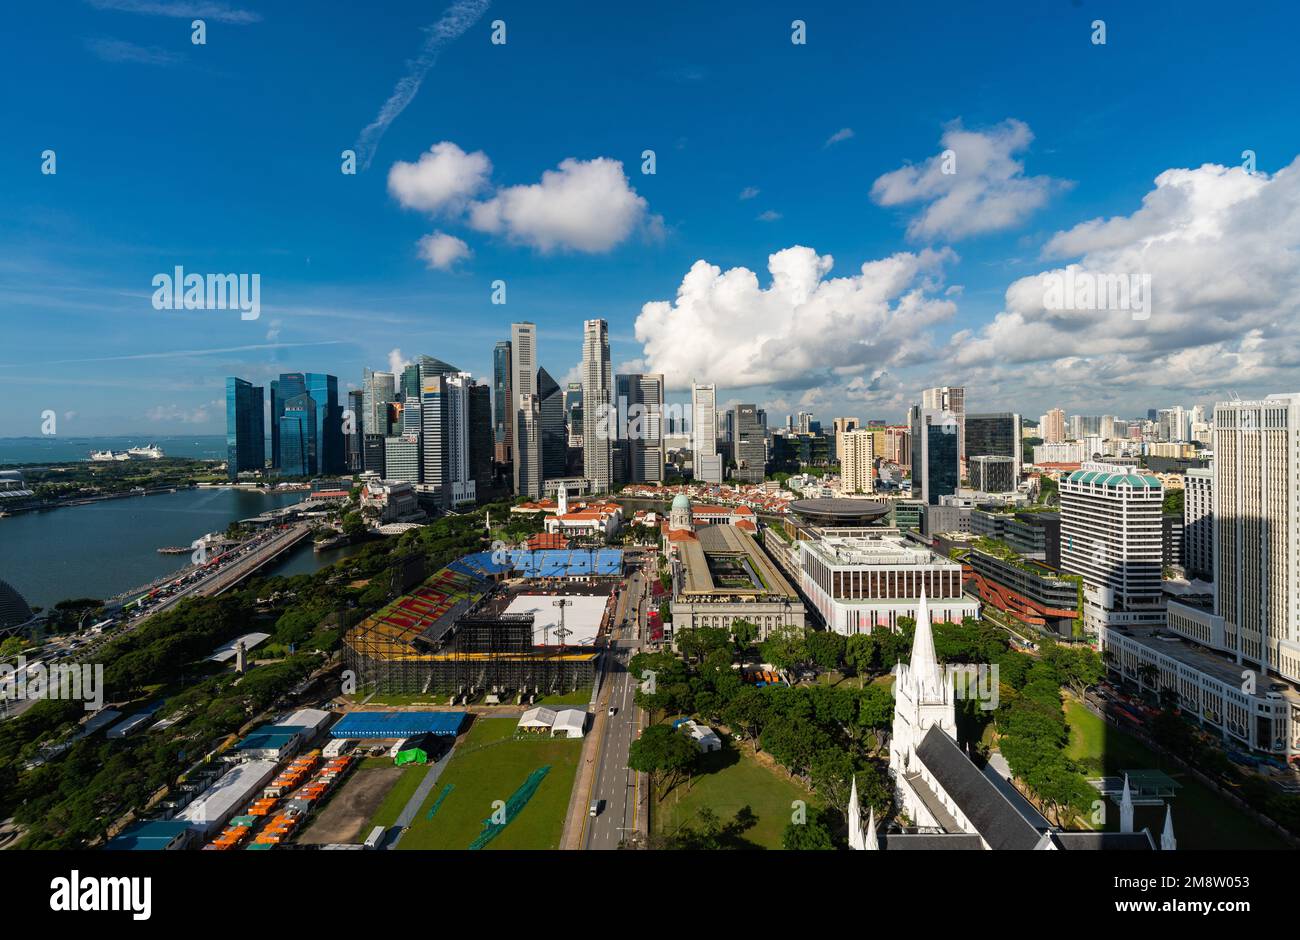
<point>152,452</point>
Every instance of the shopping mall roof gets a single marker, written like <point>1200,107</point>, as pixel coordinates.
<point>397,724</point>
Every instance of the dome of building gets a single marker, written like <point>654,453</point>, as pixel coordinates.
<point>841,511</point>
<point>681,501</point>
<point>14,611</point>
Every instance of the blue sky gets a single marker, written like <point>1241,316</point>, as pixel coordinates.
<point>225,158</point>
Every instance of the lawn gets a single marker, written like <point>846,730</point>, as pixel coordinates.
<point>490,764</point>
<point>1202,819</point>
<point>729,779</point>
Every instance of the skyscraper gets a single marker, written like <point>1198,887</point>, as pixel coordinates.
<point>523,351</point>
<point>1257,541</point>
<point>935,459</point>
<point>751,444</point>
<point>324,390</point>
<point>573,413</point>
<point>352,430</point>
<point>1051,427</point>
<point>995,435</point>
<point>503,403</point>
<point>299,441</point>
<point>952,399</point>
<point>704,433</point>
<point>640,430</point>
<point>378,389</point>
<point>857,461</point>
<point>288,385</point>
<point>245,427</point>
<point>1198,522</point>
<point>842,426</point>
<point>444,431</point>
<point>598,430</point>
<point>1112,535</point>
<point>553,439</point>
<point>481,439</point>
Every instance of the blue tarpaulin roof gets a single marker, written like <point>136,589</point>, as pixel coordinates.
<point>152,835</point>
<point>397,724</point>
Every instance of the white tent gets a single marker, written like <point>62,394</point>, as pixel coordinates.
<point>539,718</point>
<point>569,723</point>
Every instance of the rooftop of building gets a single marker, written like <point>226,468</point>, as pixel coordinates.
<point>889,548</point>
<point>755,576</point>
<point>1217,666</point>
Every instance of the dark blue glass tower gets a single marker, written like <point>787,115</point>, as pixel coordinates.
<point>245,427</point>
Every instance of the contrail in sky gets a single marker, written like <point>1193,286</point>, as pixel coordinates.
<point>459,17</point>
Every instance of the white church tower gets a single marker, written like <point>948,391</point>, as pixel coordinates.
<point>923,697</point>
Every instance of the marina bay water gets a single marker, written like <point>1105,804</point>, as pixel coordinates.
<point>101,549</point>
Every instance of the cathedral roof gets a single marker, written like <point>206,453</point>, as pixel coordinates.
<point>992,814</point>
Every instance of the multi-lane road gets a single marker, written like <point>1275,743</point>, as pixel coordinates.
<point>620,791</point>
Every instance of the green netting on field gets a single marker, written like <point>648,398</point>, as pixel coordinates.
<point>513,805</point>
<point>438,802</point>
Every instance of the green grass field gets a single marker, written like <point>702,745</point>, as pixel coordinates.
<point>729,779</point>
<point>489,764</point>
<point>1202,819</point>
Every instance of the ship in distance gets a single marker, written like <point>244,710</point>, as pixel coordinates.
<point>152,452</point>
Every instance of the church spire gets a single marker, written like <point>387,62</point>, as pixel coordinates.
<point>873,842</point>
<point>856,840</point>
<point>924,666</point>
<point>1126,808</point>
<point>1167,841</point>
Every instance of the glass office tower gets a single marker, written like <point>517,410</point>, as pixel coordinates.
<point>245,427</point>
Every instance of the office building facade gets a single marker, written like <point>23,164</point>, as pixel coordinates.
<point>936,458</point>
<point>598,430</point>
<point>245,427</point>
<point>750,445</point>
<point>706,460</point>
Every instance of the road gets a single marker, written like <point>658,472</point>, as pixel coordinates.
<point>622,790</point>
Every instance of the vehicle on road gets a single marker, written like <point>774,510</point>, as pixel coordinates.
<point>596,807</point>
<point>612,711</point>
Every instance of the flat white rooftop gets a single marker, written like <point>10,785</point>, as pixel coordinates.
<point>581,617</point>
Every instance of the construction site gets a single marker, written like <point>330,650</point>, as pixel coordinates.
<point>492,628</point>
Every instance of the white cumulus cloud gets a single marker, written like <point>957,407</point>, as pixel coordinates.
<point>984,190</point>
<point>443,180</point>
<point>725,327</point>
<point>583,205</point>
<point>1218,247</point>
<point>441,251</point>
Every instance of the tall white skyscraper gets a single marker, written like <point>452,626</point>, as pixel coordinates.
<point>1257,539</point>
<point>599,423</point>
<point>1111,534</point>
<point>704,433</point>
<point>857,461</point>
<point>523,353</point>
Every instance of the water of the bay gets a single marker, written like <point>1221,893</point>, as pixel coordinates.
<point>102,549</point>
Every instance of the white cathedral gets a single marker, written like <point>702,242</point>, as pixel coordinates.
<point>949,802</point>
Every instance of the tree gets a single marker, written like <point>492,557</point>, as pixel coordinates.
<point>785,647</point>
<point>744,633</point>
<point>826,649</point>
<point>747,713</point>
<point>664,753</point>
<point>812,835</point>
